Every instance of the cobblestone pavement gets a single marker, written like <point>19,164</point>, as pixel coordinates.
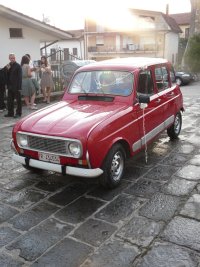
<point>151,220</point>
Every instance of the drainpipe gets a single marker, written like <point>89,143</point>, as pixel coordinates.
<point>86,40</point>
<point>81,49</point>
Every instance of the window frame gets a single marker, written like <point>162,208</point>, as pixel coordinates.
<point>162,84</point>
<point>99,40</point>
<point>75,51</point>
<point>16,33</point>
<point>148,72</point>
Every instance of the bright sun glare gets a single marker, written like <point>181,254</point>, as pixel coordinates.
<point>120,19</point>
<point>71,14</point>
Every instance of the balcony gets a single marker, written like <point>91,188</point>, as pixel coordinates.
<point>129,50</point>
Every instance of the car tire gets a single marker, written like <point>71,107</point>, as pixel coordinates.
<point>174,130</point>
<point>179,81</point>
<point>113,167</point>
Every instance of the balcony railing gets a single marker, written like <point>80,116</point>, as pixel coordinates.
<point>131,48</point>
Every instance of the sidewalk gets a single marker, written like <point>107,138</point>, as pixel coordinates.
<point>9,122</point>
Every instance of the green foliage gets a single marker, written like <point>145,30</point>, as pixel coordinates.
<point>192,56</point>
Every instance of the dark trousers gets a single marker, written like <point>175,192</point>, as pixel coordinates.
<point>12,95</point>
<point>2,96</point>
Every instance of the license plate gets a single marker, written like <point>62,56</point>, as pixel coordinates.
<point>49,157</point>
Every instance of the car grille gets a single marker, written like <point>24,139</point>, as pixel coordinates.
<point>47,144</point>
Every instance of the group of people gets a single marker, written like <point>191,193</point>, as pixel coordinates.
<point>20,80</point>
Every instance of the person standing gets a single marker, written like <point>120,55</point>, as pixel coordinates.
<point>46,79</point>
<point>14,83</point>
<point>28,89</point>
<point>2,88</point>
<point>33,76</point>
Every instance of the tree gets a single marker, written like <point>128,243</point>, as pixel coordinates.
<point>194,28</point>
<point>192,55</point>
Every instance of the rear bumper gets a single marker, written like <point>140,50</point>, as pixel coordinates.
<point>81,172</point>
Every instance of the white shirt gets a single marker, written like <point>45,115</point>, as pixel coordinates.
<point>32,72</point>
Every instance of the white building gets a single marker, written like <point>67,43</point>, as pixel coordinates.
<point>148,34</point>
<point>21,34</point>
<point>72,49</point>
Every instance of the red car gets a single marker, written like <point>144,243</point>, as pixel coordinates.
<point>109,112</point>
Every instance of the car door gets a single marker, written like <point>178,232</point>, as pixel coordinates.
<point>150,118</point>
<point>166,92</point>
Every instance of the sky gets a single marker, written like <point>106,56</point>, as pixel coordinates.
<point>70,14</point>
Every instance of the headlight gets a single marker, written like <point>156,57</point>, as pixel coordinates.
<point>75,149</point>
<point>22,140</point>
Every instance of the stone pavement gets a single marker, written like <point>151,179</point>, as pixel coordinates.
<point>151,220</point>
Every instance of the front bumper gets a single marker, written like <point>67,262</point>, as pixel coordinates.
<point>81,172</point>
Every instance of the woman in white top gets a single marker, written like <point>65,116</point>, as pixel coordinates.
<point>28,89</point>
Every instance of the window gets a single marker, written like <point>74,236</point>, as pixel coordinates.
<point>100,28</point>
<point>162,78</point>
<point>145,84</point>
<point>119,83</point>
<point>53,54</point>
<point>99,40</point>
<point>172,75</point>
<point>81,83</point>
<point>75,52</point>
<point>66,53</point>
<point>15,32</point>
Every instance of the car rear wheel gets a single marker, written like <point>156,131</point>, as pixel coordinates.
<point>174,130</point>
<point>113,167</point>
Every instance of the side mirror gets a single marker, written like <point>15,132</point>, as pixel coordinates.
<point>143,101</point>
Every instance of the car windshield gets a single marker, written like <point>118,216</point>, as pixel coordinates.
<point>102,82</point>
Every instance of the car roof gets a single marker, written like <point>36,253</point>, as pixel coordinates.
<point>124,63</point>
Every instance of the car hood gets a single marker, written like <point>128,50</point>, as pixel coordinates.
<point>70,119</point>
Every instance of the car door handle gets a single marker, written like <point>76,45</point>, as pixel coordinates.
<point>158,100</point>
<point>171,94</point>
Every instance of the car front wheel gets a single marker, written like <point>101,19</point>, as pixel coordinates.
<point>113,167</point>
<point>174,130</point>
<point>179,81</point>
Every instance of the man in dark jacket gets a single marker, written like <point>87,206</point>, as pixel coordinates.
<point>2,88</point>
<point>14,83</point>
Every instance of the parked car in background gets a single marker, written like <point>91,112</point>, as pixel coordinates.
<point>183,78</point>
<point>109,112</point>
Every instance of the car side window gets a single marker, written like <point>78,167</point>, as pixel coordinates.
<point>172,75</point>
<point>162,78</point>
<point>145,83</point>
